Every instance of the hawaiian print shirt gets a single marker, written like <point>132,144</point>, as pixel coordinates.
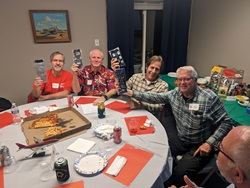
<point>96,84</point>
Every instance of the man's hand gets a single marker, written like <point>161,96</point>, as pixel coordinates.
<point>38,82</point>
<point>203,150</point>
<point>128,93</point>
<point>133,104</point>
<point>189,183</point>
<point>74,68</point>
<point>43,98</point>
<point>114,64</point>
<point>101,99</point>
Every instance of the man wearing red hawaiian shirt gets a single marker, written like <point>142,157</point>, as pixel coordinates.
<point>94,79</point>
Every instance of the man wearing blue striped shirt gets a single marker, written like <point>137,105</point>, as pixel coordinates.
<point>201,121</point>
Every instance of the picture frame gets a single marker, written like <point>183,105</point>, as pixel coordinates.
<point>50,26</point>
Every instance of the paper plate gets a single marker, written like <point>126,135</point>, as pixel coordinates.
<point>39,109</point>
<point>241,98</point>
<point>243,103</point>
<point>172,74</point>
<point>104,130</point>
<point>201,81</point>
<point>91,163</point>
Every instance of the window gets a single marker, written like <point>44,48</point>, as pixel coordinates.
<point>147,32</point>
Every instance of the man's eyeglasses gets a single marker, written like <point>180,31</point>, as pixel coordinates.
<point>217,147</point>
<point>184,79</point>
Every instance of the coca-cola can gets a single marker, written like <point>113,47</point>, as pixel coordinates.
<point>117,131</point>
<point>70,100</point>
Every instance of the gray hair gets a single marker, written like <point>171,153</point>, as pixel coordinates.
<point>241,151</point>
<point>90,53</point>
<point>190,69</point>
<point>56,53</point>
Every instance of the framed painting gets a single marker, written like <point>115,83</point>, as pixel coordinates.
<point>50,26</point>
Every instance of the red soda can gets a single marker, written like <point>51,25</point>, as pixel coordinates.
<point>70,100</point>
<point>117,131</point>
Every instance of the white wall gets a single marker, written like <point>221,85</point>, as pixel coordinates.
<point>87,22</point>
<point>220,35</point>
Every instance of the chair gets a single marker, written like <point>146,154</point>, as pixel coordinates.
<point>207,170</point>
<point>5,104</point>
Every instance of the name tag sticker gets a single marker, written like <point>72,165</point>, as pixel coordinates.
<point>89,82</point>
<point>55,85</point>
<point>194,106</point>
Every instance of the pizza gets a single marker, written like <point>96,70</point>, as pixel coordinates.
<point>53,131</point>
<point>49,120</point>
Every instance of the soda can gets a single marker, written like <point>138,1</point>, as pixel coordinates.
<point>101,110</point>
<point>62,169</point>
<point>70,100</point>
<point>117,132</point>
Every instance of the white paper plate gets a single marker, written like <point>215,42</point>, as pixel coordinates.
<point>172,74</point>
<point>104,130</point>
<point>39,109</point>
<point>201,81</point>
<point>243,103</point>
<point>90,163</point>
<point>241,98</point>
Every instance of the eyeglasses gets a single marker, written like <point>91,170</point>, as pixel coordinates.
<point>58,60</point>
<point>184,79</point>
<point>217,147</point>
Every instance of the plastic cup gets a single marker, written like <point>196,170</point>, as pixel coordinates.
<point>133,126</point>
<point>46,171</point>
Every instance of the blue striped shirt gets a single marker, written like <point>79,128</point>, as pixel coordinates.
<point>209,123</point>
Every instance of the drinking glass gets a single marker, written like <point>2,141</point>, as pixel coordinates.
<point>46,171</point>
<point>12,166</point>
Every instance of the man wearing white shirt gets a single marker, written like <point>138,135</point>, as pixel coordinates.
<point>233,157</point>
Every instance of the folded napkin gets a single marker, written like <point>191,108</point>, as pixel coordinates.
<point>117,165</point>
<point>81,145</point>
<point>88,108</point>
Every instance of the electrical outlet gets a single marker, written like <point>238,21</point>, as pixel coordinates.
<point>97,42</point>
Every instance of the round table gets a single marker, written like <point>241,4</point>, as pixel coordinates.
<point>155,172</point>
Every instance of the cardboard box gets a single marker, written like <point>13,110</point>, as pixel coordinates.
<point>69,119</point>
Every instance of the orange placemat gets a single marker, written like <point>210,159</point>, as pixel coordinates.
<point>85,100</point>
<point>141,120</point>
<point>136,160</point>
<point>1,177</point>
<point>77,184</point>
<point>27,113</point>
<point>5,119</point>
<point>119,107</point>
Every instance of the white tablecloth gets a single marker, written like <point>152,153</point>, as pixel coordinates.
<point>155,172</point>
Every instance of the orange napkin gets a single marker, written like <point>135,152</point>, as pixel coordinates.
<point>136,160</point>
<point>77,184</point>
<point>141,120</point>
<point>5,119</point>
<point>1,177</point>
<point>85,100</point>
<point>27,113</point>
<point>119,107</point>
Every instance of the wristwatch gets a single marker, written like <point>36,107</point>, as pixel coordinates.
<point>106,97</point>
